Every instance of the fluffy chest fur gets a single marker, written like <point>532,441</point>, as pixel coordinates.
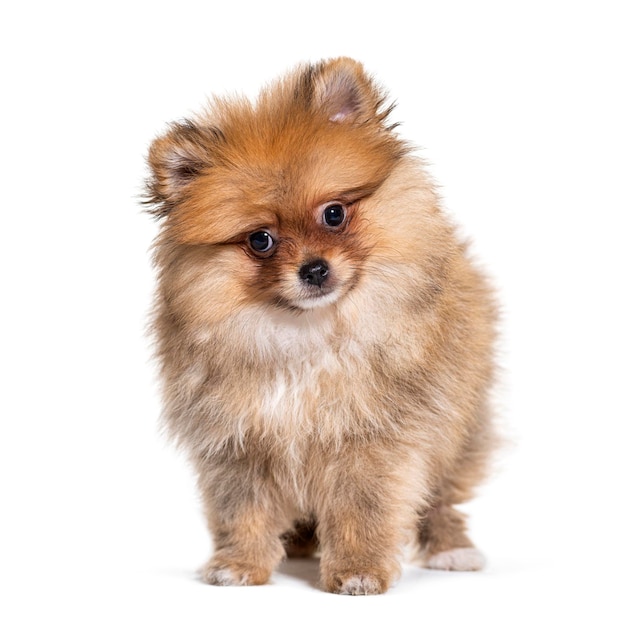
<point>285,378</point>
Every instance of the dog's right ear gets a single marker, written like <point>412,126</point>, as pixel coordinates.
<point>175,160</point>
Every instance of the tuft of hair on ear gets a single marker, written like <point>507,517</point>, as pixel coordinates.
<point>342,91</point>
<point>175,159</point>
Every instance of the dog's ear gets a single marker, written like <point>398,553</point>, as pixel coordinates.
<point>343,91</point>
<point>176,159</point>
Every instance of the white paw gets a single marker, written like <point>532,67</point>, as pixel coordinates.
<point>360,586</point>
<point>223,577</point>
<point>458,560</point>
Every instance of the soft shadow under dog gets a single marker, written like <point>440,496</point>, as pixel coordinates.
<point>304,569</point>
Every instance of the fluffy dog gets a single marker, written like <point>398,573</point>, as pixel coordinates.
<point>325,341</point>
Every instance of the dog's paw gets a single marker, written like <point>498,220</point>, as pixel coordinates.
<point>458,560</point>
<point>354,583</point>
<point>215,573</point>
<point>359,575</point>
<point>360,585</point>
<point>223,577</point>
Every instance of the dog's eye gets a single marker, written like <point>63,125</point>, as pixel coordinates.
<point>261,241</point>
<point>333,215</point>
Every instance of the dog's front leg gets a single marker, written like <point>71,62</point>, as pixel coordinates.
<point>368,505</point>
<point>246,520</point>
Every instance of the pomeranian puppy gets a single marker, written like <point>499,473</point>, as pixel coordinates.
<point>325,342</point>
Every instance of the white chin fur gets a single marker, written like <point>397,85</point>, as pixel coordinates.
<point>317,302</point>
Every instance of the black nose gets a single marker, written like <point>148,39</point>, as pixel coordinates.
<point>315,272</point>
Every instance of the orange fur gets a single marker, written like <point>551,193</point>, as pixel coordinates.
<point>347,412</point>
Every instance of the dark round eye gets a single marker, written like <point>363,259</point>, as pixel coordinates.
<point>261,241</point>
<point>333,215</point>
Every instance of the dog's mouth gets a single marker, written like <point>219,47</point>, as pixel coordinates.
<point>320,298</point>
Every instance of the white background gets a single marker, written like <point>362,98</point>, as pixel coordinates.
<point>518,109</point>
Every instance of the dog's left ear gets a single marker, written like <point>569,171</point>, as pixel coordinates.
<point>343,91</point>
